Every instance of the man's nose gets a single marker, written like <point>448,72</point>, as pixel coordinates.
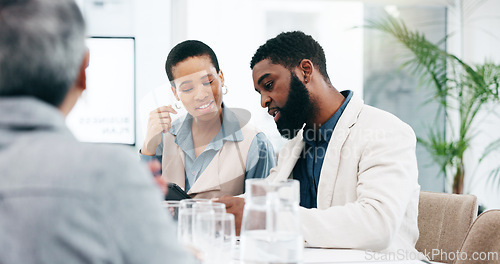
<point>265,100</point>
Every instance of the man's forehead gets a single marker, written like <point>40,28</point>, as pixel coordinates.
<point>265,63</point>
<point>266,66</point>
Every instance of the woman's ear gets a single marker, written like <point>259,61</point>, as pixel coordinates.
<point>174,91</point>
<point>221,76</point>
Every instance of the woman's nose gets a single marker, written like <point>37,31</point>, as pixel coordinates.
<point>202,93</point>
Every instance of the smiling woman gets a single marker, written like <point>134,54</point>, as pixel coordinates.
<point>192,147</point>
<point>199,87</point>
<point>246,24</point>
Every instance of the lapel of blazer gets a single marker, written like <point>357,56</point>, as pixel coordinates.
<point>288,156</point>
<point>209,179</point>
<point>173,162</point>
<point>329,171</point>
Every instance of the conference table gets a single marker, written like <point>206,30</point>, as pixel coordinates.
<point>347,256</point>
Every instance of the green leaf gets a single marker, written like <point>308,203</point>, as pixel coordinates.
<point>493,146</point>
<point>457,86</point>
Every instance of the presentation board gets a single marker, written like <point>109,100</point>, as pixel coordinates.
<point>106,111</point>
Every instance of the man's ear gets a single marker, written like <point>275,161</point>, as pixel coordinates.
<point>306,69</point>
<point>76,90</point>
<point>81,79</point>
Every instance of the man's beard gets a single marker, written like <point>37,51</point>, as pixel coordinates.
<point>299,109</point>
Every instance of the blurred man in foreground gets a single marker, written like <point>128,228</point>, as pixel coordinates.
<point>62,201</point>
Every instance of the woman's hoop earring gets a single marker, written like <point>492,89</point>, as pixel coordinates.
<point>224,89</point>
<point>176,104</point>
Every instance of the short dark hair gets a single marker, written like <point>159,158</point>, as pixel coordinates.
<point>42,46</point>
<point>187,49</point>
<point>289,49</point>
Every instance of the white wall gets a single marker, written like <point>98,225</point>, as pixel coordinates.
<point>239,27</point>
<point>149,21</point>
<point>481,41</point>
<point>153,37</point>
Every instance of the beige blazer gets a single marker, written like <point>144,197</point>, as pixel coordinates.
<point>368,190</point>
<point>225,175</point>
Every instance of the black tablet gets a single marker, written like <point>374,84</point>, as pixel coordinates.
<point>176,193</point>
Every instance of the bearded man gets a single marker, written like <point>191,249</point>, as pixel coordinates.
<point>356,164</point>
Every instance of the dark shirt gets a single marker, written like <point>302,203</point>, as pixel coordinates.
<point>307,170</point>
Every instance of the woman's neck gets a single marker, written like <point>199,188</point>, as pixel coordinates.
<point>213,124</point>
<point>204,131</point>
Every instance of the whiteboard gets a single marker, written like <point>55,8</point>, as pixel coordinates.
<point>106,111</point>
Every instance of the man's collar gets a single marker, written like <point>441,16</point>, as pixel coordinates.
<point>324,133</point>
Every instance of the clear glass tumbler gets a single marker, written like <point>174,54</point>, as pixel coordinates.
<point>270,229</point>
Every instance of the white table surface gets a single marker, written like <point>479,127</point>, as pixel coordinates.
<point>339,256</point>
<point>321,255</point>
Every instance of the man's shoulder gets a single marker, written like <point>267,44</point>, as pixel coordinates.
<point>110,151</point>
<point>109,157</point>
<point>376,125</point>
<point>54,165</point>
<point>373,117</point>
<point>89,163</point>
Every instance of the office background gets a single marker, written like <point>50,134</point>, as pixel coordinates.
<point>358,59</point>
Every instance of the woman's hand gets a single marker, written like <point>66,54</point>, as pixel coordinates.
<point>159,122</point>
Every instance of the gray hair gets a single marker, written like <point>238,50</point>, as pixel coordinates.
<point>42,45</point>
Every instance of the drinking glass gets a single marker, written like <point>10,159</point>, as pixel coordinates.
<point>270,230</point>
<point>224,227</point>
<point>172,209</point>
<point>214,236</point>
<point>188,203</point>
<point>188,211</point>
<point>205,207</point>
<point>203,225</point>
<point>204,234</point>
<point>186,220</point>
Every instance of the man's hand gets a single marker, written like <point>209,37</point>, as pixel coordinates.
<point>234,205</point>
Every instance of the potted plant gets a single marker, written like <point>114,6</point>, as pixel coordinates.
<point>460,89</point>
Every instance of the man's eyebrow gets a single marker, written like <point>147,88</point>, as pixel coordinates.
<point>262,78</point>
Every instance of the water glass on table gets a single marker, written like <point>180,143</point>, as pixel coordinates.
<point>209,207</point>
<point>188,211</point>
<point>270,230</point>
<point>172,209</point>
<point>224,227</point>
<point>186,219</point>
<point>214,236</point>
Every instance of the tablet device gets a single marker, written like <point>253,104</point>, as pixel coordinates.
<point>175,193</point>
